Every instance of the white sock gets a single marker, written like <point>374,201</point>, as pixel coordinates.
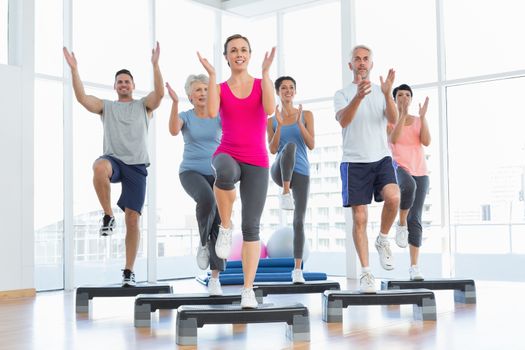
<point>383,236</point>
<point>365,269</point>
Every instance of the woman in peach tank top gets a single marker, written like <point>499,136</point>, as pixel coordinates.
<point>244,103</point>
<point>407,138</point>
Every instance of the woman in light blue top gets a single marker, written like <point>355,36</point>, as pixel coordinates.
<point>202,135</point>
<point>290,132</point>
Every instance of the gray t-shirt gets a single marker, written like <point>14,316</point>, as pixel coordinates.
<point>365,138</point>
<point>126,131</point>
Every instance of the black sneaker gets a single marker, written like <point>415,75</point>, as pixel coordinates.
<point>108,224</point>
<point>128,278</point>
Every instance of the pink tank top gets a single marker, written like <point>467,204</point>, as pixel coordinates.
<point>408,150</point>
<point>243,126</point>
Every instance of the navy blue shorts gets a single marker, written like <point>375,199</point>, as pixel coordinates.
<point>362,180</point>
<point>133,179</point>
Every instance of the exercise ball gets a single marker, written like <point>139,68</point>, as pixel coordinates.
<point>280,244</point>
<point>236,252</point>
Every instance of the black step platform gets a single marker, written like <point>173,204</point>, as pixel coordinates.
<point>263,289</point>
<point>84,295</point>
<point>145,304</point>
<point>464,289</point>
<point>335,301</point>
<point>191,317</point>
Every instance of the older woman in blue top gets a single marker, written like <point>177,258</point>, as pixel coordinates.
<point>201,134</point>
<point>290,131</point>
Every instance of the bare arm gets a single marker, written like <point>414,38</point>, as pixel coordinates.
<point>91,103</point>
<point>386,88</point>
<point>176,122</point>
<point>307,128</point>
<point>214,92</point>
<point>274,137</point>
<point>347,114</point>
<point>268,97</point>
<point>155,97</point>
<point>424,134</point>
<point>398,127</point>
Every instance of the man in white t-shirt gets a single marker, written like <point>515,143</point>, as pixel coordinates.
<point>363,109</point>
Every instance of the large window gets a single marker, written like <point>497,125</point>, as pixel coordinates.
<point>48,37</point>
<point>4,25</point>
<point>398,38</point>
<point>483,37</point>
<point>312,49</point>
<point>111,35</point>
<point>487,166</point>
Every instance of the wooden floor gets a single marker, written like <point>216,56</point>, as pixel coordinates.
<point>49,322</point>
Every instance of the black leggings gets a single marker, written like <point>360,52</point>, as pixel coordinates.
<point>282,170</point>
<point>200,188</point>
<point>253,189</point>
<point>413,192</point>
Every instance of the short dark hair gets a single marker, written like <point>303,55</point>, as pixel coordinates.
<point>402,87</point>
<point>280,80</point>
<point>123,71</point>
<point>233,37</point>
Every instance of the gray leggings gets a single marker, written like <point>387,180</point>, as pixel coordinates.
<point>413,192</point>
<point>282,170</point>
<point>253,189</point>
<point>200,188</point>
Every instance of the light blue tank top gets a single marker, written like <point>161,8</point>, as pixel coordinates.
<point>292,133</point>
<point>201,138</point>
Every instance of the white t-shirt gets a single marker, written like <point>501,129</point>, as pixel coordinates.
<point>365,138</point>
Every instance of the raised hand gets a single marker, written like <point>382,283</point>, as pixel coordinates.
<point>155,54</point>
<point>207,65</point>
<point>364,87</point>
<point>70,58</point>
<point>386,85</point>
<point>403,107</point>
<point>267,61</point>
<point>172,93</point>
<point>299,113</point>
<point>278,115</point>
<point>423,109</point>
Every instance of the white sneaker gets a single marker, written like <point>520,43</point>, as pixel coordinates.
<point>248,300</point>
<point>401,236</point>
<point>297,276</point>
<point>367,283</point>
<point>286,201</point>
<point>415,273</point>
<point>385,254</point>
<point>223,245</point>
<point>203,257</point>
<point>214,286</point>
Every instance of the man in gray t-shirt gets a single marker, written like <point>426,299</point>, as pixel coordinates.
<point>125,157</point>
<point>363,110</point>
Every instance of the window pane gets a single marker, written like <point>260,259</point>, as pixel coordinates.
<point>48,198</point>
<point>126,24</point>
<point>97,259</point>
<point>4,23</point>
<point>262,34</point>
<point>398,38</point>
<point>48,37</point>
<point>485,41</point>
<point>183,28</point>
<point>312,49</point>
<point>487,163</point>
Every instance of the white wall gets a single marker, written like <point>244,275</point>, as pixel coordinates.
<point>16,152</point>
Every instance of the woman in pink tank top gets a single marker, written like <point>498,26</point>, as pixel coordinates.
<point>407,138</point>
<point>244,104</point>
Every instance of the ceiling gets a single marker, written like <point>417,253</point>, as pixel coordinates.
<point>254,8</point>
